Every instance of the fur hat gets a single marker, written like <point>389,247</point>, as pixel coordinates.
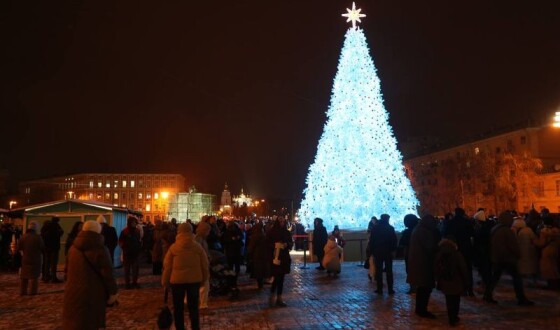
<point>33,225</point>
<point>505,218</point>
<point>101,219</point>
<point>184,228</point>
<point>91,225</point>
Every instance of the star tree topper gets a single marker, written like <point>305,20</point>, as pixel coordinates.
<point>353,15</point>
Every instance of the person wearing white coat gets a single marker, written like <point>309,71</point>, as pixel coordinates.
<point>331,260</point>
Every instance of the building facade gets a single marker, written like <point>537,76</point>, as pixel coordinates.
<point>148,193</point>
<point>492,173</point>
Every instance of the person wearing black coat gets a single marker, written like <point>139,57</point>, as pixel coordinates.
<point>461,229</point>
<point>383,242</point>
<point>410,221</point>
<point>51,234</point>
<point>279,241</point>
<point>450,271</point>
<point>422,252</point>
<point>320,238</point>
<point>110,237</point>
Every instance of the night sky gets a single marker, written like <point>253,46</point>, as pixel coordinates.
<point>237,91</point>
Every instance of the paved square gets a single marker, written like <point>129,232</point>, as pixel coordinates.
<point>314,300</point>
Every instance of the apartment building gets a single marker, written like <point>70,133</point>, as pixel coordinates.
<point>149,193</point>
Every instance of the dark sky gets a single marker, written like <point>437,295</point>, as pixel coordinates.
<point>237,91</point>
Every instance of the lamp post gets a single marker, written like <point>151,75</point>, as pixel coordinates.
<point>12,203</point>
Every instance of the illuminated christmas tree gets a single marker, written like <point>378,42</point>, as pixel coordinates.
<point>358,171</point>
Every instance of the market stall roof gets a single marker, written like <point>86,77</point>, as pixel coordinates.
<point>70,205</point>
<point>4,211</point>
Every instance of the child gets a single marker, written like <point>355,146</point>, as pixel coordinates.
<point>450,271</point>
<point>331,260</point>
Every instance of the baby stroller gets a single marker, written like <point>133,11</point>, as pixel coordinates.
<point>222,280</point>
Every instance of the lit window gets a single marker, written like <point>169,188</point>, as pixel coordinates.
<point>99,184</point>
<point>108,184</point>
<point>116,184</point>
<point>107,196</point>
<point>116,196</point>
<point>124,184</point>
<point>98,196</point>
<point>148,207</point>
<point>156,195</point>
<point>91,184</point>
<point>90,196</point>
<point>124,205</point>
<point>132,184</point>
<point>476,151</point>
<point>139,195</point>
<point>148,196</point>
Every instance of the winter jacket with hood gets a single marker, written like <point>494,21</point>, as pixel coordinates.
<point>450,269</point>
<point>422,252</point>
<point>85,293</point>
<point>528,260</point>
<point>185,262</point>
<point>331,260</point>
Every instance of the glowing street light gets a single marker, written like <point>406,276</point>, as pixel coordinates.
<point>12,203</point>
<point>556,120</point>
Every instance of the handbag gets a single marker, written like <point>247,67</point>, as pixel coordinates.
<point>165,318</point>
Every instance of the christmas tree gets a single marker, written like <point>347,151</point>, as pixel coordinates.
<point>358,171</point>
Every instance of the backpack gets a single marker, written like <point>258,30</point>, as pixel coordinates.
<point>132,245</point>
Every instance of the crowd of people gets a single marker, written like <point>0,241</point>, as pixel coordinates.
<point>197,260</point>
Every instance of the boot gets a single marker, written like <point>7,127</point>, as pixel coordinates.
<point>379,288</point>
<point>271,299</point>
<point>280,302</point>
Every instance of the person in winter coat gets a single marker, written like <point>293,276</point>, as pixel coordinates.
<point>110,237</point>
<point>131,245</point>
<point>338,237</point>
<point>383,242</point>
<point>450,272</point>
<point>481,245</point>
<point>279,241</point>
<point>163,237</point>
<point>31,247</point>
<point>549,242</point>
<point>461,228</point>
<point>422,252</point>
<point>410,221</point>
<point>504,254</point>
<point>258,255</point>
<point>76,228</point>
<point>320,238</point>
<point>185,267</point>
<point>526,239</point>
<point>202,232</point>
<point>51,234</point>
<point>90,285</point>
<point>331,260</point>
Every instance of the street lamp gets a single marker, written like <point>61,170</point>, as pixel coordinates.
<point>12,203</point>
<point>556,120</point>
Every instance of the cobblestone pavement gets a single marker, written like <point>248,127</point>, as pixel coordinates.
<point>314,300</point>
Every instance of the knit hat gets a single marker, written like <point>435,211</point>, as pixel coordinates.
<point>184,228</point>
<point>101,219</point>
<point>91,225</point>
<point>33,225</point>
